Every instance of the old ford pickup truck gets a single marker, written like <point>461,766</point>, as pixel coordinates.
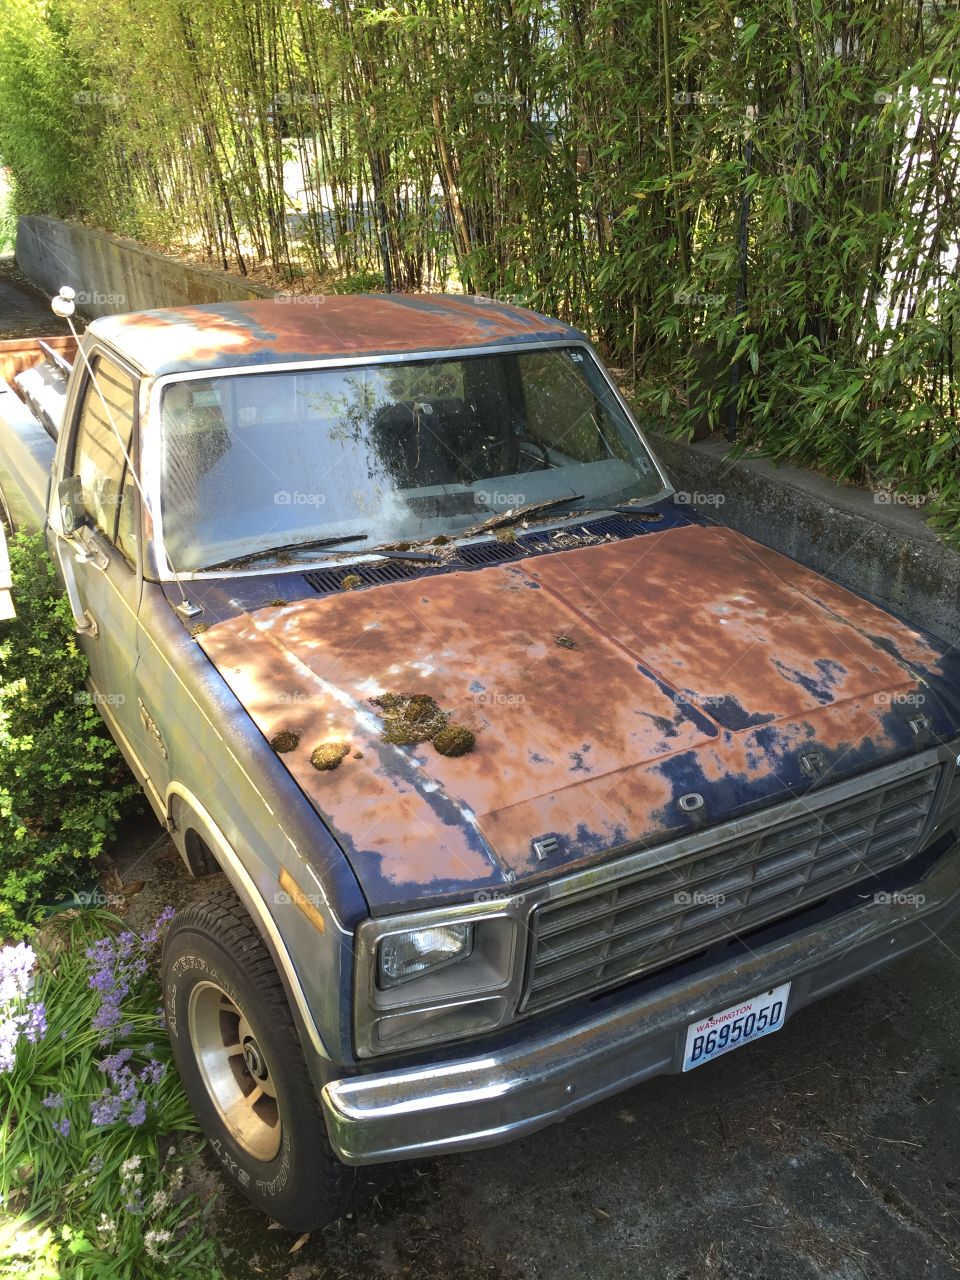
<point>530,782</point>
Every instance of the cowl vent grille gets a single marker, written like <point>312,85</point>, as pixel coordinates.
<point>478,555</point>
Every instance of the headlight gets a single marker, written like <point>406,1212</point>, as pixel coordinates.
<point>404,955</point>
<point>437,975</point>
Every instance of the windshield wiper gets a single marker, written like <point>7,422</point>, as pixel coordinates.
<point>429,556</point>
<point>516,514</point>
<point>312,544</point>
<point>631,509</point>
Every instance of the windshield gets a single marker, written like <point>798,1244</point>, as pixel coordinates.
<point>395,452</point>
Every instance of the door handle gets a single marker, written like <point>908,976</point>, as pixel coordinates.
<point>84,623</point>
<point>86,551</point>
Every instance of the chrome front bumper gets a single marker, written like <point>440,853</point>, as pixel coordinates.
<point>490,1098</point>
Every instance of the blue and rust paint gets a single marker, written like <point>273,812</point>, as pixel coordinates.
<point>702,662</point>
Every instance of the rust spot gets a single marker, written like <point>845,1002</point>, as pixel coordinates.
<point>285,740</point>
<point>329,755</point>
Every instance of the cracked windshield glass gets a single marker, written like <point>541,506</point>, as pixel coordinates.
<point>390,452</point>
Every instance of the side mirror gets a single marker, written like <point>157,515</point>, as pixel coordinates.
<point>72,511</point>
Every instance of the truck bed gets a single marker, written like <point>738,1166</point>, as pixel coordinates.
<point>20,354</point>
<point>26,444</point>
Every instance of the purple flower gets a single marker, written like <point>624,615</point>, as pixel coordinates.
<point>127,1087</point>
<point>138,1114</point>
<point>53,1100</point>
<point>105,1110</point>
<point>115,1063</point>
<point>153,1072</point>
<point>62,1127</point>
<point>152,936</point>
<point>35,1024</point>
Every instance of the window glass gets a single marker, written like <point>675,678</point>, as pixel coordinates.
<point>385,452</point>
<point>127,518</point>
<point>98,458</point>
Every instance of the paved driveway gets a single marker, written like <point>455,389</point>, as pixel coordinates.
<point>24,310</point>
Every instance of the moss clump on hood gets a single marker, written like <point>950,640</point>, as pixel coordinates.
<point>454,740</point>
<point>285,740</point>
<point>409,718</point>
<point>329,755</point>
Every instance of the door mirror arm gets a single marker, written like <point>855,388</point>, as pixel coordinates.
<point>70,502</point>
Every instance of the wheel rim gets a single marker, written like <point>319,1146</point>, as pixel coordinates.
<point>235,1070</point>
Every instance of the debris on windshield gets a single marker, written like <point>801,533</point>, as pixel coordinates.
<point>284,741</point>
<point>454,740</point>
<point>276,604</point>
<point>409,718</point>
<point>351,581</point>
<point>445,550</point>
<point>639,512</point>
<point>565,539</point>
<point>199,628</point>
<point>564,642</point>
<point>507,534</point>
<point>329,755</point>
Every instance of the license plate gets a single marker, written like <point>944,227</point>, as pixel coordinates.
<point>717,1034</point>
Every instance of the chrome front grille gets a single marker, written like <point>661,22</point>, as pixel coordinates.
<point>676,906</point>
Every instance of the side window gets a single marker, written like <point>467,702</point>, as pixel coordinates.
<point>109,494</point>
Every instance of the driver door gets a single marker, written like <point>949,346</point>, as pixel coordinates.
<point>101,555</point>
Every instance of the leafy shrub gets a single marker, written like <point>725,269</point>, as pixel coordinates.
<point>63,783</point>
<point>88,1097</point>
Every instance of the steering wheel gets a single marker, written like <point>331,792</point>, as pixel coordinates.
<point>485,449</point>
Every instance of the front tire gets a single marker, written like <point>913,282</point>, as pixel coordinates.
<point>239,1057</point>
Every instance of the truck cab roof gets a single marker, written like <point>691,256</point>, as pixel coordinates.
<point>295,329</point>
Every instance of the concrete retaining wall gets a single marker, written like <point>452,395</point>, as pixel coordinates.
<point>881,550</point>
<point>112,275</point>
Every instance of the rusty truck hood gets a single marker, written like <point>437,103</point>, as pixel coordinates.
<point>602,685</point>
